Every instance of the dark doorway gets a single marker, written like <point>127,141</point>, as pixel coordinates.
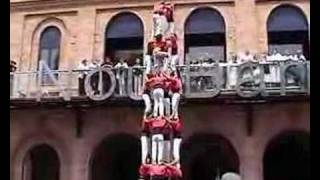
<point>205,35</point>
<point>41,163</point>
<point>287,157</point>
<point>288,30</point>
<point>204,156</point>
<point>118,157</point>
<point>124,38</point>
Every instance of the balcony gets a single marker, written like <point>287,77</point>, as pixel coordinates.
<point>217,81</point>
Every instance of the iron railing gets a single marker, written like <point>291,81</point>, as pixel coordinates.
<point>199,81</point>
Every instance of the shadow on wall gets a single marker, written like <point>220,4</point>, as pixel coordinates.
<point>204,156</point>
<point>117,158</point>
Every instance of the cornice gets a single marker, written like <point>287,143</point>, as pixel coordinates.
<point>272,1</point>
<point>34,5</point>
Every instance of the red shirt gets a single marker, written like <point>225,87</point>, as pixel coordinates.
<point>173,171</point>
<point>168,12</point>
<point>172,43</point>
<point>176,125</point>
<point>159,9</point>
<point>144,169</point>
<point>157,82</point>
<point>158,170</point>
<point>175,84</point>
<point>156,44</point>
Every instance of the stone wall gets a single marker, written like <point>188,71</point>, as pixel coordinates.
<point>58,128</point>
<point>83,25</point>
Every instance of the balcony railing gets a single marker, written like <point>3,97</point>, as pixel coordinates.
<point>247,80</point>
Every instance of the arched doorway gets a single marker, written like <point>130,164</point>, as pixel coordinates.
<point>287,157</point>
<point>124,38</point>
<point>205,35</point>
<point>41,163</point>
<point>203,156</point>
<point>288,30</point>
<point>118,157</point>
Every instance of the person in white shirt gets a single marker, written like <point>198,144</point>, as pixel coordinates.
<point>275,57</point>
<point>137,77</point>
<point>121,68</point>
<point>232,70</point>
<point>301,57</point>
<point>246,57</point>
<point>83,68</point>
<point>95,77</point>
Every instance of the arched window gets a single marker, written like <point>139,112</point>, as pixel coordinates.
<point>41,163</point>
<point>205,35</point>
<point>118,157</point>
<point>204,156</point>
<point>288,30</point>
<point>49,50</point>
<point>124,38</point>
<point>287,157</point>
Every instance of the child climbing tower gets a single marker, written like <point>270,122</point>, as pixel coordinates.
<point>161,123</point>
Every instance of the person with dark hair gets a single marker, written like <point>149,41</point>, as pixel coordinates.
<point>121,68</point>
<point>172,47</point>
<point>157,50</point>
<point>83,68</point>
<point>107,62</point>
<point>137,77</point>
<point>13,66</point>
<point>168,13</point>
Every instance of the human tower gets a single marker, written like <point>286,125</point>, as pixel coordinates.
<point>161,123</point>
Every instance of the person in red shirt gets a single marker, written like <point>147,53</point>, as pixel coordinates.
<point>156,50</point>
<point>175,89</point>
<point>172,47</point>
<point>176,128</point>
<point>147,93</point>
<point>168,13</point>
<point>157,86</point>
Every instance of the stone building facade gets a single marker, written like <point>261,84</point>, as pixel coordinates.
<point>82,137</point>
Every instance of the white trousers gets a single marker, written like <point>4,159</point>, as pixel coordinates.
<point>147,63</point>
<point>157,148</point>
<point>167,106</point>
<point>137,84</point>
<point>158,107</point>
<point>176,150</point>
<point>144,149</point>
<point>147,102</point>
<point>173,62</point>
<point>175,104</point>
<point>122,84</point>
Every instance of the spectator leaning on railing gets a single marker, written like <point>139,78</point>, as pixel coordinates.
<point>121,67</point>
<point>138,77</point>
<point>83,68</point>
<point>107,62</point>
<point>95,77</point>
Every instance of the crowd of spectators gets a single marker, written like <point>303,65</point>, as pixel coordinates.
<point>199,83</point>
